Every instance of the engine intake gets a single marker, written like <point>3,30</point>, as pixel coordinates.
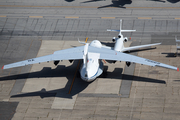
<point>128,63</point>
<point>70,61</point>
<point>56,62</point>
<point>114,39</point>
<point>125,39</point>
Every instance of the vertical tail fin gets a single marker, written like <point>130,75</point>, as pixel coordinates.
<point>120,27</point>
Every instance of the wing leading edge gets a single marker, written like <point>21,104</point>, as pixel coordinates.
<point>67,54</point>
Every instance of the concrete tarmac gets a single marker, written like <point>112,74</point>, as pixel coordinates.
<point>35,28</point>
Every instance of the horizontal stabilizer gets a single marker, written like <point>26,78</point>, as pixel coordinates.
<point>177,39</point>
<point>121,30</point>
<point>128,30</point>
<point>113,30</point>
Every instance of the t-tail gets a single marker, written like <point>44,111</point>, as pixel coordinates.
<point>120,30</point>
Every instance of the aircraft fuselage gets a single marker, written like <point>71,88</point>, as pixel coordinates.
<point>92,68</point>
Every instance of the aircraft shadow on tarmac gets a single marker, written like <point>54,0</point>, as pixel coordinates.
<point>117,74</point>
<point>115,3</point>
<point>92,1</point>
<point>157,1</point>
<point>171,1</point>
<point>79,85</point>
<point>69,0</point>
<point>171,54</point>
<point>122,3</point>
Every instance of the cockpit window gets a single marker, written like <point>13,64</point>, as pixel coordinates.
<point>89,60</point>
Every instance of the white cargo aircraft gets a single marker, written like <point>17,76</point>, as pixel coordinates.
<point>93,54</point>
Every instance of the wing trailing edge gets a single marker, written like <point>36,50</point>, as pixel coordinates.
<point>138,47</point>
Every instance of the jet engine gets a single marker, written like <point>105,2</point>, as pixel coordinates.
<point>128,63</point>
<point>119,36</point>
<point>114,39</point>
<point>125,39</point>
<point>70,61</point>
<point>56,62</point>
<point>114,61</point>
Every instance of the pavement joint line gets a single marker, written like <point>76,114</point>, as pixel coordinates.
<point>144,17</point>
<point>76,17</point>
<point>134,97</point>
<point>75,72</point>
<point>108,17</point>
<point>19,72</point>
<point>71,17</point>
<point>35,16</point>
<point>153,7</point>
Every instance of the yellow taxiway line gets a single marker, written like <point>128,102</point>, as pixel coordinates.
<point>2,16</point>
<point>76,72</point>
<point>74,78</point>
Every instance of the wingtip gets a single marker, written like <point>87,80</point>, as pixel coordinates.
<point>3,67</point>
<point>177,69</point>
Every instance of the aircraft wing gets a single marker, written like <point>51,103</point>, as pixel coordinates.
<point>67,54</point>
<point>118,56</point>
<point>137,47</point>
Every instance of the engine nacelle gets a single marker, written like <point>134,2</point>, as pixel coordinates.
<point>114,39</point>
<point>125,39</point>
<point>70,61</point>
<point>128,63</point>
<point>119,36</point>
<point>56,62</point>
<point>114,61</point>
